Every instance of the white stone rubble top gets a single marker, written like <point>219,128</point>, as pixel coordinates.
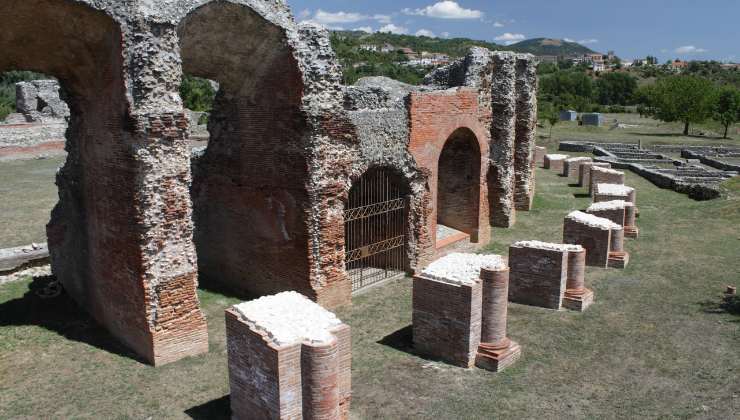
<point>289,318</point>
<point>609,205</point>
<point>593,221</point>
<point>606,170</point>
<point>614,189</point>
<point>549,246</point>
<point>462,269</point>
<point>557,157</point>
<point>579,159</point>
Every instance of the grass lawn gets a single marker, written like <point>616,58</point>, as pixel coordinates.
<point>648,130</point>
<point>28,194</point>
<point>654,344</point>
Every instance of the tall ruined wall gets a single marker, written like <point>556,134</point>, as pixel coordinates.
<point>526,125</point>
<point>507,86</point>
<point>377,107</point>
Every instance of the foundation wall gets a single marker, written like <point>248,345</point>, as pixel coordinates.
<point>584,172</point>
<point>616,215</point>
<point>596,241</point>
<point>293,381</point>
<point>538,277</point>
<point>447,320</point>
<point>600,177</point>
<point>526,123</point>
<point>571,169</point>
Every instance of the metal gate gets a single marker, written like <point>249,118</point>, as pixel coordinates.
<point>375,229</point>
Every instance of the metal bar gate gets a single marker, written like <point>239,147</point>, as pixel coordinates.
<point>375,229</point>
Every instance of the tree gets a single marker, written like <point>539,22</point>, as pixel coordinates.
<point>616,89</point>
<point>687,99</point>
<point>727,107</point>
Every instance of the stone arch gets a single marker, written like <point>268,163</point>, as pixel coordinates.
<point>459,184</point>
<point>250,196</point>
<point>109,235</point>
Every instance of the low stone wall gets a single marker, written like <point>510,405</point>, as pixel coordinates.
<point>555,162</point>
<point>22,257</point>
<point>539,155</point>
<point>572,165</point>
<point>584,172</point>
<point>594,237</point>
<point>538,275</point>
<point>713,161</point>
<point>601,175</point>
<point>292,360</point>
<point>460,312</point>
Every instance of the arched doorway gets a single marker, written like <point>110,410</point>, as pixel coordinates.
<point>458,187</point>
<point>375,233</point>
<point>249,187</point>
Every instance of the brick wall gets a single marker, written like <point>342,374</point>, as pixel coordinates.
<point>555,164</point>
<point>601,176</point>
<point>538,276</point>
<point>615,215</point>
<point>595,240</point>
<point>447,320</point>
<point>584,172</point>
<point>453,118</point>
<point>572,166</point>
<point>290,381</point>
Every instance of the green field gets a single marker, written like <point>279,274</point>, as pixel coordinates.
<point>647,130</point>
<point>654,345</point>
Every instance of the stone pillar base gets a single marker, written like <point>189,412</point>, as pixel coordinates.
<point>578,300</point>
<point>618,259</point>
<point>631,232</point>
<point>489,357</point>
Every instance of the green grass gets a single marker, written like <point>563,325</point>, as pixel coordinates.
<point>648,130</point>
<point>654,345</point>
<point>28,194</point>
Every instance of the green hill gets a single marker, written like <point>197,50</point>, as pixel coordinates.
<point>547,46</point>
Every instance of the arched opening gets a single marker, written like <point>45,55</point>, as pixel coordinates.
<point>458,187</point>
<point>375,228</point>
<point>250,199</point>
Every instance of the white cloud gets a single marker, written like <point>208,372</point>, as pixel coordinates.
<point>689,49</point>
<point>445,10</point>
<point>305,13</point>
<point>425,32</point>
<point>509,38</point>
<point>445,34</point>
<point>498,25</point>
<point>367,29</point>
<point>384,19</point>
<point>330,18</point>
<point>569,40</point>
<point>400,30</point>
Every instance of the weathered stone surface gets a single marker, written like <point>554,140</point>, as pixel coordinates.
<point>263,205</point>
<point>40,100</point>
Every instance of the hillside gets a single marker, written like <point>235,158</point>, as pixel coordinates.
<point>547,46</point>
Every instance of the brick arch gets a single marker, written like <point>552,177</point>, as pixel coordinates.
<point>98,233</point>
<point>459,183</point>
<point>250,187</point>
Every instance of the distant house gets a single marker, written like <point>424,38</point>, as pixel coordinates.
<point>678,65</point>
<point>598,66</point>
<point>568,115</point>
<point>426,59</point>
<point>409,53</point>
<point>387,48</point>
<point>595,119</point>
<point>369,47</point>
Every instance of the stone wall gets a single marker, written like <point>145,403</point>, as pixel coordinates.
<point>262,209</point>
<point>538,276</point>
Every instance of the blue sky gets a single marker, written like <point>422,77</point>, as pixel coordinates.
<point>687,29</point>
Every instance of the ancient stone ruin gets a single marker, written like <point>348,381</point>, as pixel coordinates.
<point>460,312</point>
<point>548,275</point>
<point>289,358</point>
<point>584,172</point>
<point>697,175</point>
<point>305,184</point>
<point>601,175</point>
<point>602,239</point>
